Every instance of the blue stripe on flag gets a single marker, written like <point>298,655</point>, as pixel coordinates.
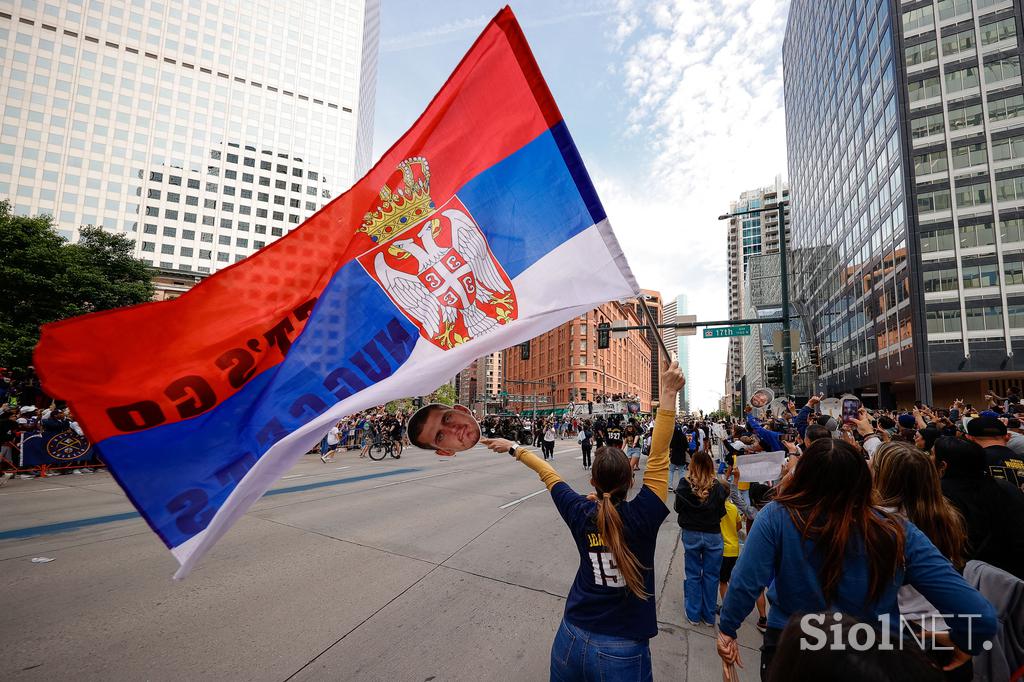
<point>181,473</point>
<point>531,202</point>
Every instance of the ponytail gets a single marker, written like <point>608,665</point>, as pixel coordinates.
<point>609,524</point>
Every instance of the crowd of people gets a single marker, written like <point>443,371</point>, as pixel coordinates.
<point>908,524</point>
<point>26,410</point>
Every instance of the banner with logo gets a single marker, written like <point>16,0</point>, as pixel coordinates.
<point>62,449</point>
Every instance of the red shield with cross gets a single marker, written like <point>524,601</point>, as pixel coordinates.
<point>442,275</point>
<point>450,280</point>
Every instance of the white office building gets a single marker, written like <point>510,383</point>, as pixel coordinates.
<point>203,130</point>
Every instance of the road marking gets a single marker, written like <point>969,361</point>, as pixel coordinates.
<point>325,473</point>
<point>522,499</point>
<point>420,478</point>
<point>64,526</point>
<point>41,490</point>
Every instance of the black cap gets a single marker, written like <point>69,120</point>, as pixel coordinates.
<point>986,427</point>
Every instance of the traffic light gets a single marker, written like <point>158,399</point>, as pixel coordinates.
<point>814,352</point>
<point>773,375</point>
<point>603,335</point>
<point>524,350</point>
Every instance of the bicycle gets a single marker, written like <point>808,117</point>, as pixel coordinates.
<point>382,448</point>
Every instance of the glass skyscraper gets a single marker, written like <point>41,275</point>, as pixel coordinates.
<point>203,130</point>
<point>903,122</point>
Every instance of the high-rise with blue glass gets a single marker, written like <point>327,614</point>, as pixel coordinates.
<point>905,131</point>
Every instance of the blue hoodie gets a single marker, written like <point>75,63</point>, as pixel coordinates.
<point>775,547</point>
<point>771,441</point>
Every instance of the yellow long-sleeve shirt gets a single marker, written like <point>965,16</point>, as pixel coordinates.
<point>656,473</point>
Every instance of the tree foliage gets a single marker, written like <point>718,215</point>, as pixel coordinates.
<point>44,279</point>
<point>444,394</point>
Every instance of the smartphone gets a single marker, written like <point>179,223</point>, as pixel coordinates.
<point>850,408</point>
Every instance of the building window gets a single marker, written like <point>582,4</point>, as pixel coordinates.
<point>918,19</point>
<point>933,162</point>
<point>1007,108</point>
<point>919,54</point>
<point>148,246</point>
<point>1009,189</point>
<point>1011,231</point>
<point>933,201</point>
<point>953,8</point>
<point>940,240</point>
<point>987,318</point>
<point>969,155</point>
<point>925,126</point>
<point>958,42</point>
<point>962,79</point>
<point>1000,30</point>
<point>965,117</point>
<point>1002,70</point>
<point>982,234</point>
<point>940,280</point>
<point>977,276</point>
<point>924,89</point>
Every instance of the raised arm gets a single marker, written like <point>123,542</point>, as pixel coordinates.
<point>548,476</point>
<point>656,473</point>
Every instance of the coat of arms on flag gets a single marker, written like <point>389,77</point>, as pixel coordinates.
<point>434,263</point>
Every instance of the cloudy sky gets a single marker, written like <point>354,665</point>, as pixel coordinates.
<point>676,108</point>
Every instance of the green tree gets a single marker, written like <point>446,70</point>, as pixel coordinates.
<point>718,415</point>
<point>445,394</point>
<point>403,405</point>
<point>44,279</point>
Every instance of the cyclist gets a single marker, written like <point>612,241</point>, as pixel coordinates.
<point>610,611</point>
<point>396,437</point>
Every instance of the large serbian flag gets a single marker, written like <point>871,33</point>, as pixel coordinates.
<point>477,230</point>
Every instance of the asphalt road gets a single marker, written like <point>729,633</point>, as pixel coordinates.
<point>422,568</point>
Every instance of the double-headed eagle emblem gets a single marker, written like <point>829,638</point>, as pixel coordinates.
<point>436,265</point>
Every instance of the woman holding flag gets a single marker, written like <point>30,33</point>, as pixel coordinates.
<point>610,611</point>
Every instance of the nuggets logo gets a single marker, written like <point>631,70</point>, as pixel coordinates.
<point>67,445</point>
<point>435,264</point>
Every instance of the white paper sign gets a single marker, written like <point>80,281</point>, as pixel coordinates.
<point>761,467</point>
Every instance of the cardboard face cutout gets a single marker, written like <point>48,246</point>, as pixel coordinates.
<point>443,429</point>
<point>762,397</point>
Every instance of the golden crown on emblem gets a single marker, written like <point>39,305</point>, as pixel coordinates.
<point>403,206</point>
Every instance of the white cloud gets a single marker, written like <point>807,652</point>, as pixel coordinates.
<point>705,78</point>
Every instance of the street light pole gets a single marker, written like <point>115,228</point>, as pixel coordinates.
<point>787,346</point>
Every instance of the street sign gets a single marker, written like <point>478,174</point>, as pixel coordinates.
<point>794,340</point>
<point>616,329</point>
<point>724,332</point>
<point>686,319</point>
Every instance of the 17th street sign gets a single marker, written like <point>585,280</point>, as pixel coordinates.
<point>723,332</point>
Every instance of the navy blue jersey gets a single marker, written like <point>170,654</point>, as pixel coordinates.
<point>599,600</point>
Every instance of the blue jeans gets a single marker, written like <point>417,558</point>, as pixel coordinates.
<point>577,654</point>
<point>702,562</point>
<point>672,469</point>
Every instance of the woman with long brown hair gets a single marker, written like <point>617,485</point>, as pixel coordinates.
<point>824,545</point>
<point>907,484</point>
<point>700,505</point>
<point>610,612</point>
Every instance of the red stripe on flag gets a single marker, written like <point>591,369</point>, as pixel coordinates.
<point>156,363</point>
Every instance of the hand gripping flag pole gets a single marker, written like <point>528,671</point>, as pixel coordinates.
<point>448,249</point>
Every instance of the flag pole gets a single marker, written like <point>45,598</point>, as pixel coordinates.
<point>654,328</point>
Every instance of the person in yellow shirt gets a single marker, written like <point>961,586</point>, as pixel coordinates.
<point>731,545</point>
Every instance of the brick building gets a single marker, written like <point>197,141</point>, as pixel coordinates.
<point>568,358</point>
